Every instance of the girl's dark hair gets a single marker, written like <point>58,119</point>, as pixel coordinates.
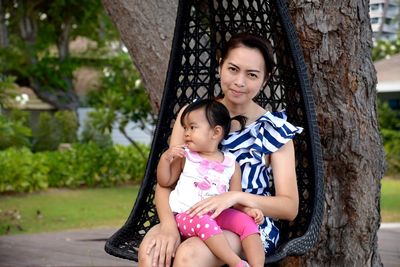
<point>216,114</point>
<point>249,40</point>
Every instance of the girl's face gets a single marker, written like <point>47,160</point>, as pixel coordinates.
<point>199,135</point>
<point>242,74</point>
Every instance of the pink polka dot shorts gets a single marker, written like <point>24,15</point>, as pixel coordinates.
<point>201,226</point>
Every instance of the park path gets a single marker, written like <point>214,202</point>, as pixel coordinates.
<point>85,247</point>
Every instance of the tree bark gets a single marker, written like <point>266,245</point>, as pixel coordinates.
<point>60,99</point>
<point>146,29</point>
<point>337,42</point>
<point>4,42</point>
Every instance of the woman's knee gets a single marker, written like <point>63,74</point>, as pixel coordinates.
<point>194,252</point>
<point>145,258</point>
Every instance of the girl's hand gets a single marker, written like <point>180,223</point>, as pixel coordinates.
<point>215,204</point>
<point>256,214</point>
<point>175,152</point>
<point>164,245</point>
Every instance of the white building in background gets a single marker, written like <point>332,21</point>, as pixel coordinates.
<point>388,74</point>
<point>134,132</point>
<point>385,19</point>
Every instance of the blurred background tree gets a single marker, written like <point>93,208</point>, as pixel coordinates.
<point>35,38</point>
<point>38,51</point>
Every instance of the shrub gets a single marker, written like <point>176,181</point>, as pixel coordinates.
<point>82,165</point>
<point>68,123</point>
<point>52,130</point>
<point>22,171</point>
<point>391,140</point>
<point>13,133</point>
<point>389,122</point>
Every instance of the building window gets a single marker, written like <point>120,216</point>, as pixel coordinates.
<point>376,7</point>
<point>374,20</point>
<point>394,104</point>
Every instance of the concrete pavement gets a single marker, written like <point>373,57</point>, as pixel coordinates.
<point>85,247</point>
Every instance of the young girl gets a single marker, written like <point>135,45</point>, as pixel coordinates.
<point>205,171</point>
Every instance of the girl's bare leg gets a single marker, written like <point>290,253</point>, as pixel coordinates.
<point>193,252</point>
<point>220,247</point>
<point>254,250</point>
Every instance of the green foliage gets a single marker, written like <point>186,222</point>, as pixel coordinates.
<point>52,130</point>
<point>51,73</point>
<point>13,133</point>
<point>7,89</point>
<point>94,130</point>
<point>383,49</point>
<point>22,171</point>
<point>389,121</point>
<point>82,165</point>
<point>68,125</point>
<point>391,140</point>
<point>120,99</point>
<point>388,118</point>
<point>37,53</point>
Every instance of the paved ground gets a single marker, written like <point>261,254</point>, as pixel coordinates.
<point>85,248</point>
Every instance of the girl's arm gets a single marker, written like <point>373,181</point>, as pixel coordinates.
<point>175,151</point>
<point>170,166</point>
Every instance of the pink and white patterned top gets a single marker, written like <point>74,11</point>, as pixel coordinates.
<point>200,179</point>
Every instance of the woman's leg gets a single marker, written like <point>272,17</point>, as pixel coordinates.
<point>193,252</point>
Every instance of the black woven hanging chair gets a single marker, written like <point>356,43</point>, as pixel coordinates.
<point>202,27</point>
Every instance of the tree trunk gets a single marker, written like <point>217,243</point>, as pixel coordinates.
<point>60,99</point>
<point>337,42</point>
<point>146,29</point>
<point>4,42</point>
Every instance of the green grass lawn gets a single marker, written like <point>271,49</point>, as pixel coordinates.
<point>84,208</point>
<point>65,209</point>
<point>390,200</point>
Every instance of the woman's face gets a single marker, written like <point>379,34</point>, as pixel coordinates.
<point>242,74</point>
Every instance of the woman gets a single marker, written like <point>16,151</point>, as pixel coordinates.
<point>264,145</point>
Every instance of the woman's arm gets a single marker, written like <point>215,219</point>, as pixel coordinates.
<point>284,205</point>
<point>164,244</point>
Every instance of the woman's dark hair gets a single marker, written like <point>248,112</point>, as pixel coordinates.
<point>251,41</point>
<point>216,114</point>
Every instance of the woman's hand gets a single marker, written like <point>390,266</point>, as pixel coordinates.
<point>215,205</point>
<point>164,245</point>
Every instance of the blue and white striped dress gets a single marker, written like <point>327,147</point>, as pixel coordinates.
<point>250,146</point>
